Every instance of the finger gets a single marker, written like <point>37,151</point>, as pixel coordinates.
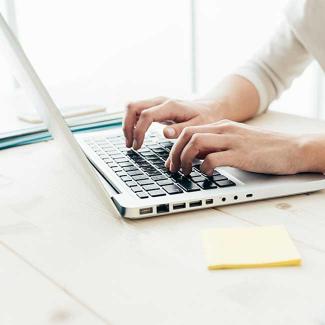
<point>159,113</point>
<point>134,109</point>
<point>173,131</point>
<point>183,139</point>
<point>167,163</point>
<point>218,159</point>
<point>202,143</point>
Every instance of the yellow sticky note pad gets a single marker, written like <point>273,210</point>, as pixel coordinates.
<point>227,248</point>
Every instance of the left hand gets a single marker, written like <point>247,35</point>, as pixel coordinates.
<point>227,143</point>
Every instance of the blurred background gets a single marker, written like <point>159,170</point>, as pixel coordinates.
<point>110,52</point>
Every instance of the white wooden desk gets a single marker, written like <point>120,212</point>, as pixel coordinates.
<point>63,260</point>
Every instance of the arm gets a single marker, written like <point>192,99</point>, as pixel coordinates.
<point>270,72</point>
<point>238,97</point>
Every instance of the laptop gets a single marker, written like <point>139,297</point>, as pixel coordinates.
<point>137,183</point>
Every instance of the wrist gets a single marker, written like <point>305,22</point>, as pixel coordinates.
<point>311,153</point>
<point>218,109</point>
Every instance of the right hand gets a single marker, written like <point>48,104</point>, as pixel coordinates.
<point>141,114</point>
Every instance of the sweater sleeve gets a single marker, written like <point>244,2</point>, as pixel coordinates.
<point>273,68</point>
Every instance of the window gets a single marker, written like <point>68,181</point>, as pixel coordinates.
<point>109,52</point>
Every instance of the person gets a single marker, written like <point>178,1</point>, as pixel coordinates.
<point>210,127</point>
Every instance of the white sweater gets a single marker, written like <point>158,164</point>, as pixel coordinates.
<point>298,40</point>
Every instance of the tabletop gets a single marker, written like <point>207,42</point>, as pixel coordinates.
<point>66,260</point>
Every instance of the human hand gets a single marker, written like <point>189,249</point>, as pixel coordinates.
<point>227,143</point>
<point>140,115</point>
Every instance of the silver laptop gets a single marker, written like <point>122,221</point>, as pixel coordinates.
<point>136,183</point>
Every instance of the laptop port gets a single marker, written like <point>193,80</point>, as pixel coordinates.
<point>235,197</point>
<point>209,201</point>
<point>178,206</point>
<point>146,211</point>
<point>195,204</point>
<point>249,195</point>
<point>163,208</point>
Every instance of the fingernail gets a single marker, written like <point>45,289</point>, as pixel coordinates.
<point>170,132</point>
<point>127,143</point>
<point>135,144</point>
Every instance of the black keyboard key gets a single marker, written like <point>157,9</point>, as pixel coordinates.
<point>197,179</point>
<point>153,173</point>
<point>117,156</point>
<point>150,187</point>
<point>143,151</point>
<point>156,161</point>
<point>218,178</point>
<point>122,173</point>
<point>144,165</point>
<point>159,177</point>
<point>130,168</point>
<point>142,195</point>
<point>152,158</point>
<point>226,183</point>
<point>145,182</point>
<point>121,160</point>
<point>153,146</point>
<point>164,156</point>
<point>131,183</point>
<point>194,174</point>
<point>176,176</point>
<point>131,153</point>
<point>156,193</point>
<point>207,185</point>
<point>126,178</point>
<point>165,182</point>
<point>136,189</point>
<point>187,185</point>
<point>158,150</point>
<point>135,172</point>
<point>137,158</point>
<point>149,155</point>
<point>166,144</point>
<point>126,164</point>
<point>140,177</point>
<point>196,167</point>
<point>172,189</point>
<point>164,169</point>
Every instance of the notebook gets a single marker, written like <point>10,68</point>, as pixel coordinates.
<point>250,247</point>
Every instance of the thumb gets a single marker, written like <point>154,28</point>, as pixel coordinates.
<point>173,131</point>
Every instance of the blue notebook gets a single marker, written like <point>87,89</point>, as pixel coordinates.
<point>40,133</point>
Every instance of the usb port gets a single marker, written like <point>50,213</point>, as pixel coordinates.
<point>209,201</point>
<point>195,204</point>
<point>146,210</point>
<point>249,195</point>
<point>163,208</point>
<point>178,206</point>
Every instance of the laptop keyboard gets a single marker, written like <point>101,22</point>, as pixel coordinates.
<point>144,170</point>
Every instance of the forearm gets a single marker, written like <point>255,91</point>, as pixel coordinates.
<point>235,98</point>
<point>262,79</point>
